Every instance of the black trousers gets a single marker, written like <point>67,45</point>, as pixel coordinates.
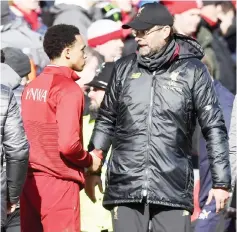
<point>136,218</point>
<point>13,222</point>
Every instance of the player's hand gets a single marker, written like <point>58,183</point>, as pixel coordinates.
<point>96,161</point>
<point>91,182</point>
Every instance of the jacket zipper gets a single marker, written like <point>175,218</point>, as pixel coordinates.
<point>145,188</point>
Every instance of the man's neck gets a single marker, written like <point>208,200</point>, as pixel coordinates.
<point>59,62</point>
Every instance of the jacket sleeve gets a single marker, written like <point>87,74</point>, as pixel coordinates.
<point>16,151</point>
<point>105,123</point>
<point>232,142</point>
<point>213,128</point>
<point>69,120</point>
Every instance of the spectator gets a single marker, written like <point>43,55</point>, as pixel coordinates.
<point>17,34</point>
<point>47,17</point>
<point>52,108</point>
<point>186,16</point>
<point>73,12</point>
<point>94,211</point>
<point>224,66</point>
<point>29,12</point>
<point>148,115</point>
<point>208,218</point>
<point>229,214</point>
<point>9,77</point>
<point>20,63</point>
<point>106,10</point>
<point>226,13</point>
<point>187,19</point>
<point>233,143</point>
<point>128,12</point>
<point>94,64</point>
<point>105,36</point>
<point>14,76</point>
<point>14,159</point>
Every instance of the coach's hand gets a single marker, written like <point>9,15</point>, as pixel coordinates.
<point>221,196</point>
<point>91,182</point>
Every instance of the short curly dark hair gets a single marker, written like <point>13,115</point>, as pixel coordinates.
<point>59,37</point>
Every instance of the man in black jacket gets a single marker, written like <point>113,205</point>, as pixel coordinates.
<point>14,72</point>
<point>148,115</point>
<point>14,156</point>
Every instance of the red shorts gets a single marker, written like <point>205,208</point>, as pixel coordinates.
<point>50,205</point>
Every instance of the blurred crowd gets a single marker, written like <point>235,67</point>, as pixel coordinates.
<point>212,23</point>
<point>25,22</point>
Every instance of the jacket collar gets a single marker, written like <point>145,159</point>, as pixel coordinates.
<point>68,72</point>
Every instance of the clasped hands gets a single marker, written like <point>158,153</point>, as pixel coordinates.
<point>92,175</point>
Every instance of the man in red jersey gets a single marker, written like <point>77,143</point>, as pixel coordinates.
<point>52,107</point>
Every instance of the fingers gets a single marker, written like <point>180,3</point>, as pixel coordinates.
<point>11,209</point>
<point>222,205</point>
<point>100,187</point>
<point>218,206</point>
<point>210,196</point>
<point>96,164</point>
<point>91,183</point>
<point>90,192</point>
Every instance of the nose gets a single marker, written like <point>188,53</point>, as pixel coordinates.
<point>137,39</point>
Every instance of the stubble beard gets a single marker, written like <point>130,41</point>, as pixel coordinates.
<point>148,52</point>
<point>94,107</point>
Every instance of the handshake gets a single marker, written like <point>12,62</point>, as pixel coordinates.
<point>92,179</point>
<point>97,156</point>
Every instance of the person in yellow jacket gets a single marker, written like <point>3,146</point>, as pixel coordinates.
<point>94,218</point>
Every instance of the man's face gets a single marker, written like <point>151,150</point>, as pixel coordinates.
<point>96,96</point>
<point>151,41</point>
<point>226,17</point>
<point>77,55</point>
<point>210,11</point>
<point>30,4</point>
<point>188,21</point>
<point>89,71</point>
<point>113,49</point>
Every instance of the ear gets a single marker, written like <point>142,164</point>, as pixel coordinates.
<point>167,31</point>
<point>66,53</point>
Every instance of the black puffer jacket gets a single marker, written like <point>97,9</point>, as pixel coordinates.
<point>149,117</point>
<point>12,80</point>
<point>14,151</point>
